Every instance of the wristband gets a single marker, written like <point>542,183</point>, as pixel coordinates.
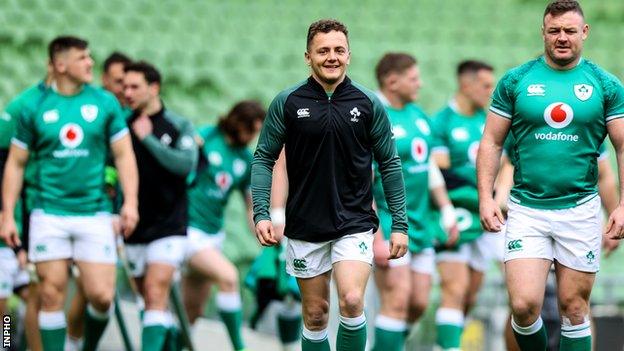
<point>278,216</point>
<point>448,217</point>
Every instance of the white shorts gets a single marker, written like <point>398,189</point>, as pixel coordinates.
<point>81,238</point>
<point>474,254</point>
<point>421,262</point>
<point>572,236</point>
<point>169,250</point>
<point>306,260</point>
<point>198,240</point>
<point>493,245</point>
<point>8,271</point>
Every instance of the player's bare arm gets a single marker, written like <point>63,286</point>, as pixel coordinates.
<point>488,161</point>
<point>11,188</point>
<point>615,224</point>
<point>129,179</point>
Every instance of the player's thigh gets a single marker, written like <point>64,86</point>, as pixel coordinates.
<point>53,278</point>
<point>578,236</point>
<point>420,289</point>
<point>98,280</point>
<point>351,277</point>
<point>211,264</point>
<point>573,286</point>
<point>94,239</point>
<point>49,238</point>
<point>526,282</point>
<point>393,285</point>
<point>315,300</point>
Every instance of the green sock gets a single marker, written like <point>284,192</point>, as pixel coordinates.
<point>229,304</point>
<point>52,327</point>
<point>95,324</point>
<point>155,327</point>
<point>575,337</point>
<point>173,341</point>
<point>351,334</point>
<point>531,338</point>
<point>314,340</point>
<point>449,327</point>
<point>389,334</point>
<point>289,328</point>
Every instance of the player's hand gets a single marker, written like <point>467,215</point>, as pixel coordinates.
<point>492,219</point>
<point>8,232</point>
<point>398,245</point>
<point>116,224</point>
<point>22,258</point>
<point>452,236</point>
<point>142,127</point>
<point>381,251</point>
<point>266,234</point>
<point>609,245</point>
<point>615,224</point>
<point>129,215</point>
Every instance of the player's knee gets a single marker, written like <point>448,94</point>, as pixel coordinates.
<point>51,295</point>
<point>351,303</point>
<point>524,308</point>
<point>574,308</point>
<point>315,315</point>
<point>102,300</point>
<point>417,308</point>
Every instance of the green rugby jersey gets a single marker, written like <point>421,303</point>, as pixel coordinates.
<point>412,135</point>
<point>68,137</point>
<point>459,136</point>
<point>223,168</point>
<point>558,121</point>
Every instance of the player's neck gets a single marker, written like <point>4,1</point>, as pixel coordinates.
<point>558,67</point>
<point>393,100</point>
<point>329,88</point>
<point>153,107</point>
<point>464,105</point>
<point>66,86</point>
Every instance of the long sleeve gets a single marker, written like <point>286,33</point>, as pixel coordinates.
<point>269,146</point>
<point>385,154</point>
<point>182,157</point>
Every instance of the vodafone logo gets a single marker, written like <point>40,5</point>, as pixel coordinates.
<point>558,115</point>
<point>223,180</point>
<point>420,150</point>
<point>71,135</point>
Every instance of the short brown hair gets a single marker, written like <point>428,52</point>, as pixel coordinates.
<point>393,62</point>
<point>559,7</point>
<point>472,66</point>
<point>64,43</point>
<point>325,26</point>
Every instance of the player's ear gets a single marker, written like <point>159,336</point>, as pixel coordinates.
<point>585,33</point>
<point>154,89</point>
<point>307,58</point>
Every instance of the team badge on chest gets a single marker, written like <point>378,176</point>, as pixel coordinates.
<point>89,112</point>
<point>583,91</point>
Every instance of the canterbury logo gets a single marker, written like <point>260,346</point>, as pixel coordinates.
<point>303,113</point>
<point>514,245</point>
<point>300,264</point>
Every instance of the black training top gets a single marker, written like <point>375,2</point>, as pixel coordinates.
<point>330,142</point>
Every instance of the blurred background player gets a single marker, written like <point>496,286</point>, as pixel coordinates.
<point>166,154</point>
<point>554,216</point>
<point>61,128</point>
<point>113,74</point>
<point>224,166</point>
<point>331,129</point>
<point>268,279</point>
<point>457,131</point>
<point>404,284</point>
